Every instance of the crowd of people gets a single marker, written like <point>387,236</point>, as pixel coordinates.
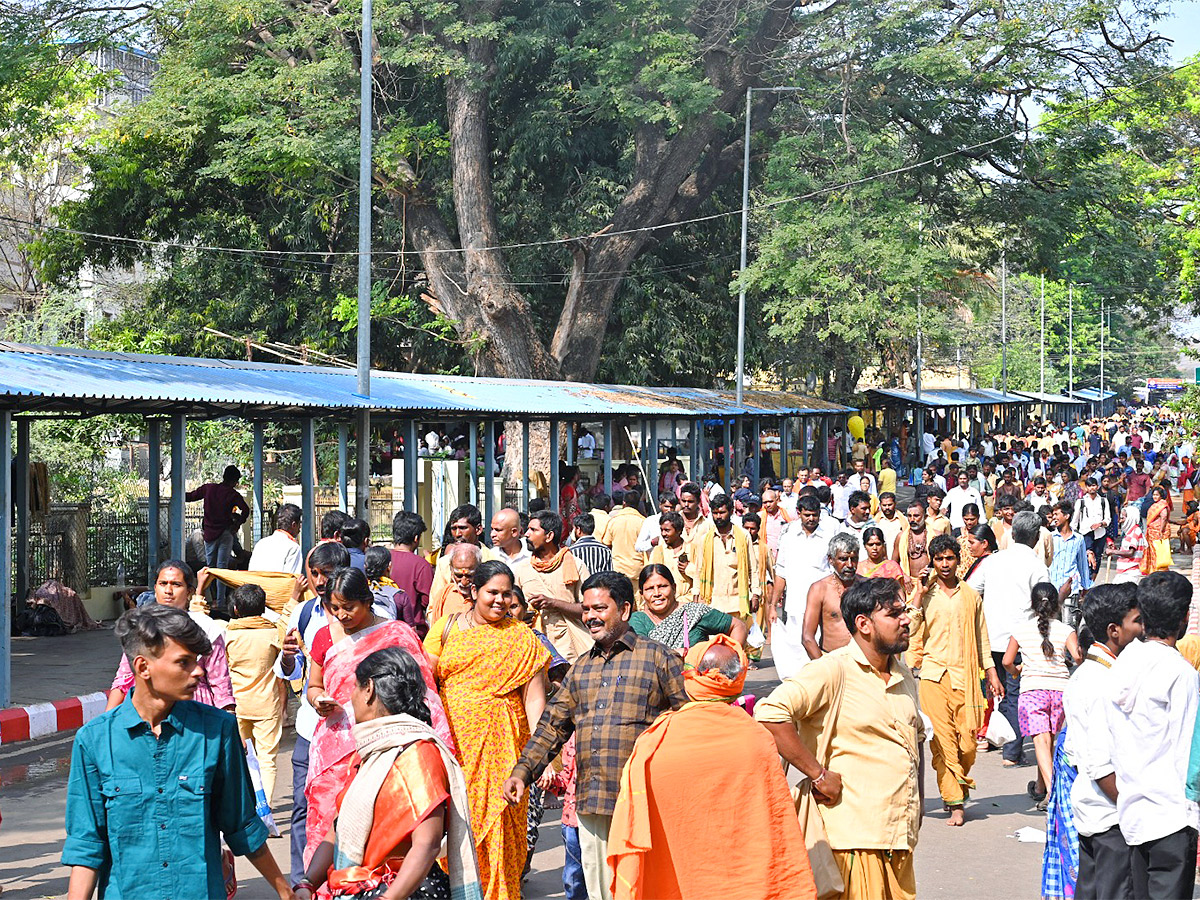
<point>600,656</point>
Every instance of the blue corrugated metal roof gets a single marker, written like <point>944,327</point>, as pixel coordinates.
<point>58,378</point>
<point>1091,395</point>
<point>1050,398</point>
<point>946,397</point>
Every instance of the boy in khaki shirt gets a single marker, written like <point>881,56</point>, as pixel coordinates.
<point>252,643</point>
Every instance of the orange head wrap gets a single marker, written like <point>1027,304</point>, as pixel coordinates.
<point>712,685</point>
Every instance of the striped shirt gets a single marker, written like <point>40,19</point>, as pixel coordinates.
<point>1070,561</point>
<point>607,701</point>
<point>593,554</point>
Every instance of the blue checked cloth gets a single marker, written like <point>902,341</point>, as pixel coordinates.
<point>1060,862</point>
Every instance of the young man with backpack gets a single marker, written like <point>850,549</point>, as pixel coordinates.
<point>1091,518</point>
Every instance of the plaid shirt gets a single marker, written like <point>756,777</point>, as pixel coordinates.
<point>609,700</point>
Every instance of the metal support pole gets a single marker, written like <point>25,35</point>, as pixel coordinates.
<point>525,490</point>
<point>608,456</point>
<point>555,466</point>
<point>308,494</point>
<point>756,450</point>
<point>473,454</point>
<point>20,489</point>
<point>6,597</point>
<point>785,440</point>
<point>178,485</point>
<point>343,474</point>
<point>1042,340</point>
<point>363,357</point>
<point>644,454</point>
<point>697,443</point>
<point>362,481</point>
<point>741,333</point>
<point>1102,357</point>
<point>571,443</point>
<point>153,500</point>
<point>411,462</point>
<point>1003,323</point>
<point>489,470</point>
<point>256,484</point>
<point>651,491</point>
<point>728,436</point>
<point>1071,337</point>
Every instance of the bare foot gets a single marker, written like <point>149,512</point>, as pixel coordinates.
<point>957,817</point>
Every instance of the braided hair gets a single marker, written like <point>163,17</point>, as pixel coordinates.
<point>1045,605</point>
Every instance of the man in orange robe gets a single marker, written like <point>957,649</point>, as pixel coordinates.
<point>707,762</point>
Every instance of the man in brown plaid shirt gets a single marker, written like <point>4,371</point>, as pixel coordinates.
<point>610,696</point>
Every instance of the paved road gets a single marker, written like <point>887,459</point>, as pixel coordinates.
<point>981,860</point>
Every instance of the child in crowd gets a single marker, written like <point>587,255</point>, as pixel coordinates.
<point>378,567</point>
<point>1043,642</point>
<point>252,644</point>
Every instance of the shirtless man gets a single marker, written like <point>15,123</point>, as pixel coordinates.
<point>824,606</point>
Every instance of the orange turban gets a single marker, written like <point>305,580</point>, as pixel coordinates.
<point>712,685</point>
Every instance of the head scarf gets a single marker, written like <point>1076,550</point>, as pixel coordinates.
<point>1132,518</point>
<point>712,685</point>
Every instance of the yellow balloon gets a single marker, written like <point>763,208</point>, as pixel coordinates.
<point>857,426</point>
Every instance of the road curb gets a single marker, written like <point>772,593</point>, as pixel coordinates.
<point>25,723</point>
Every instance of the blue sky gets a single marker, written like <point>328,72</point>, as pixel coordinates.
<point>1183,27</point>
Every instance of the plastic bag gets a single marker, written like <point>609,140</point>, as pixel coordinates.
<point>756,640</point>
<point>999,731</point>
<point>262,803</point>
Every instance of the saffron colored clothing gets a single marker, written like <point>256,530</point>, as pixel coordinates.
<point>480,672</point>
<point>332,743</point>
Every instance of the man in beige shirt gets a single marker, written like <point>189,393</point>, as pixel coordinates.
<point>466,527</point>
<point>551,579</point>
<point>950,646</point>
<point>718,558</point>
<point>252,644</point>
<point>935,522</point>
<point>671,551</point>
<point>860,700</point>
<point>694,524</point>
<point>621,533</point>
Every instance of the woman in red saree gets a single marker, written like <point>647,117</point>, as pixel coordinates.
<point>877,563</point>
<point>406,795</point>
<point>353,633</point>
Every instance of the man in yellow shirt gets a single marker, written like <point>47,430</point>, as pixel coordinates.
<point>886,477</point>
<point>950,646</point>
<point>868,784</point>
<point>724,570</point>
<point>936,523</point>
<point>621,533</point>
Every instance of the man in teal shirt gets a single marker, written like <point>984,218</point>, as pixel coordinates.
<point>158,780</point>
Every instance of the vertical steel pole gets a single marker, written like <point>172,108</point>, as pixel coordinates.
<point>308,496</point>
<point>728,437</point>
<point>741,333</point>
<point>257,482</point>
<point>1071,337</point>
<point>1042,340</point>
<point>343,473</point>
<point>473,453</point>
<point>555,465</point>
<point>362,480</point>
<point>178,528</point>
<point>412,461</point>
<point>364,205</point>
<point>608,456</point>
<point>153,500</point>
<point>20,489</point>
<point>756,449</point>
<point>697,443</point>
<point>1004,324</point>
<point>6,597</point>
<point>489,474</point>
<point>785,440</point>
<point>525,492</point>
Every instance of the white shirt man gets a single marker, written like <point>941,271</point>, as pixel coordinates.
<point>277,552</point>
<point>958,497</point>
<point>803,559</point>
<point>840,493</point>
<point>1155,693</point>
<point>587,445</point>
<point>1008,582</point>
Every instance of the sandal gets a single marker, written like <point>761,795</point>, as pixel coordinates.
<point>1034,793</point>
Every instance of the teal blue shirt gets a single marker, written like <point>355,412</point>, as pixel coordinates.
<point>148,812</point>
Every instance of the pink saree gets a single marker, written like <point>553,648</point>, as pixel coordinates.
<point>333,744</point>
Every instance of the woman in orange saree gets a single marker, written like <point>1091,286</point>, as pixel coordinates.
<point>491,670</point>
<point>353,633</point>
<point>1158,533</point>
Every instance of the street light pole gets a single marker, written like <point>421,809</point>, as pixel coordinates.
<point>364,207</point>
<point>1042,353</point>
<point>1003,322</point>
<point>1071,336</point>
<point>741,333</point>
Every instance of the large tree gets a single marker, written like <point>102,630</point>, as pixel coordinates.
<point>530,153</point>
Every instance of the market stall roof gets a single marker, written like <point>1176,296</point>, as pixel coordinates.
<point>1061,399</point>
<point>1093,395</point>
<point>943,397</point>
<point>52,380</point>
